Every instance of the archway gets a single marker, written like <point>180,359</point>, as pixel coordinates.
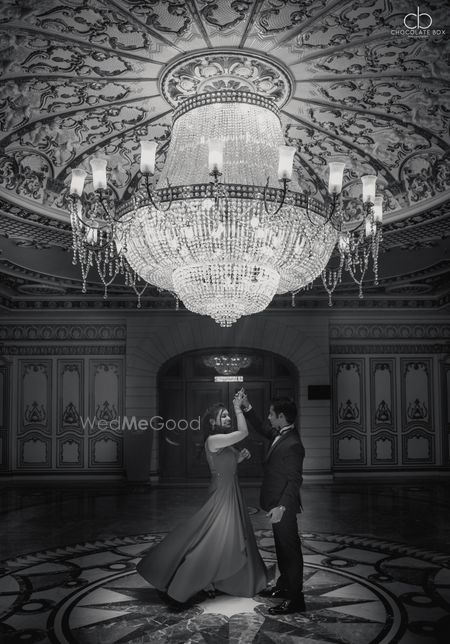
<point>153,340</point>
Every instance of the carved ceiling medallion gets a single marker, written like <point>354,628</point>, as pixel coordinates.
<point>231,69</point>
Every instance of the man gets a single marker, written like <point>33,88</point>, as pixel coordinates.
<point>280,498</point>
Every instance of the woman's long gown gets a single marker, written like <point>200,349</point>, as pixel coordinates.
<point>215,546</point>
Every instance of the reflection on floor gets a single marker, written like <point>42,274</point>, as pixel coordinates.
<point>359,588</point>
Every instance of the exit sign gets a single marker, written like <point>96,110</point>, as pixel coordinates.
<point>228,378</point>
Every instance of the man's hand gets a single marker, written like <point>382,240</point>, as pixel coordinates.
<point>276,514</point>
<point>245,403</point>
<point>244,454</point>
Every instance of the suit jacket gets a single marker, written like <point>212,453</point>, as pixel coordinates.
<point>283,467</point>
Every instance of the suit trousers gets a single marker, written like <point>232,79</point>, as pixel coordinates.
<point>289,554</point>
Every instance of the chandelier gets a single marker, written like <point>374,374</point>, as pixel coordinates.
<point>227,365</point>
<point>226,227</point>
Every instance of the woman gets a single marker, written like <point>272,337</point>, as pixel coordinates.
<point>216,548</point>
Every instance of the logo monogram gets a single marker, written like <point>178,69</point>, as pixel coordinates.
<point>407,21</point>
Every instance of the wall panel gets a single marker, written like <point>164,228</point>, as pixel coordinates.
<point>349,428</point>
<point>65,379</point>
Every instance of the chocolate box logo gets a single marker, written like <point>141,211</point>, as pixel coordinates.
<point>418,24</point>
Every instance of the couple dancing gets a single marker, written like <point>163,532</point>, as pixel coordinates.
<point>216,548</point>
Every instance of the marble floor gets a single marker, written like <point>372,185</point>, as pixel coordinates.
<point>377,566</point>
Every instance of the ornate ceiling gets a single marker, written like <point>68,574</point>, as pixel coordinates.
<point>87,78</point>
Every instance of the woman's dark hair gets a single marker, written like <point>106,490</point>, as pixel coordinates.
<point>285,406</point>
<point>211,414</point>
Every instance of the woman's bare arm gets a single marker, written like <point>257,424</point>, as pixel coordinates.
<point>217,441</point>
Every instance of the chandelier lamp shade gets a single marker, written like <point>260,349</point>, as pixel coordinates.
<point>226,226</point>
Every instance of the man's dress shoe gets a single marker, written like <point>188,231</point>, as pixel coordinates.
<point>273,593</point>
<point>289,606</point>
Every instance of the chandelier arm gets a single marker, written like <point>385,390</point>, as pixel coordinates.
<point>307,211</point>
<point>283,197</point>
<point>150,195</point>
<point>74,199</point>
<point>170,200</point>
<point>367,214</point>
<point>149,192</point>
<point>332,208</point>
<point>121,219</point>
<point>109,217</point>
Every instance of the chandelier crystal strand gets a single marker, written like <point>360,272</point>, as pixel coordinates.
<point>226,227</point>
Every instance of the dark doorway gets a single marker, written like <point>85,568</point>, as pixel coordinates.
<point>187,388</point>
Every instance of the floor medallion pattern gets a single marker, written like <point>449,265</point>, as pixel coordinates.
<point>358,591</point>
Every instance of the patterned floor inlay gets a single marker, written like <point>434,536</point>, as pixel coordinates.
<point>358,591</point>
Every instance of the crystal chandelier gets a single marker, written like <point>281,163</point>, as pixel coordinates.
<point>227,365</point>
<point>226,227</point>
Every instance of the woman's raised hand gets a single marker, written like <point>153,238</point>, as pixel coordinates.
<point>237,400</point>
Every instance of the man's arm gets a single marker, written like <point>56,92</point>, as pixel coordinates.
<point>258,425</point>
<point>293,465</point>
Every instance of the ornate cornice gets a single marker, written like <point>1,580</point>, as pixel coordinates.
<point>167,303</point>
<point>392,331</point>
<point>62,332</point>
<point>34,233</point>
<point>388,349</point>
<point>71,350</point>
<point>34,218</point>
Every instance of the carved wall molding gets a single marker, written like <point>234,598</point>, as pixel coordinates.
<point>390,331</point>
<point>388,349</point>
<point>279,303</point>
<point>34,451</point>
<point>384,448</point>
<point>74,350</point>
<point>69,452</point>
<point>55,332</point>
<point>70,395</point>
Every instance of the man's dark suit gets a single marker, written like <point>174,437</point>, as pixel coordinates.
<point>282,479</point>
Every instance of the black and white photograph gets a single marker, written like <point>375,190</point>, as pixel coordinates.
<point>224,322</point>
